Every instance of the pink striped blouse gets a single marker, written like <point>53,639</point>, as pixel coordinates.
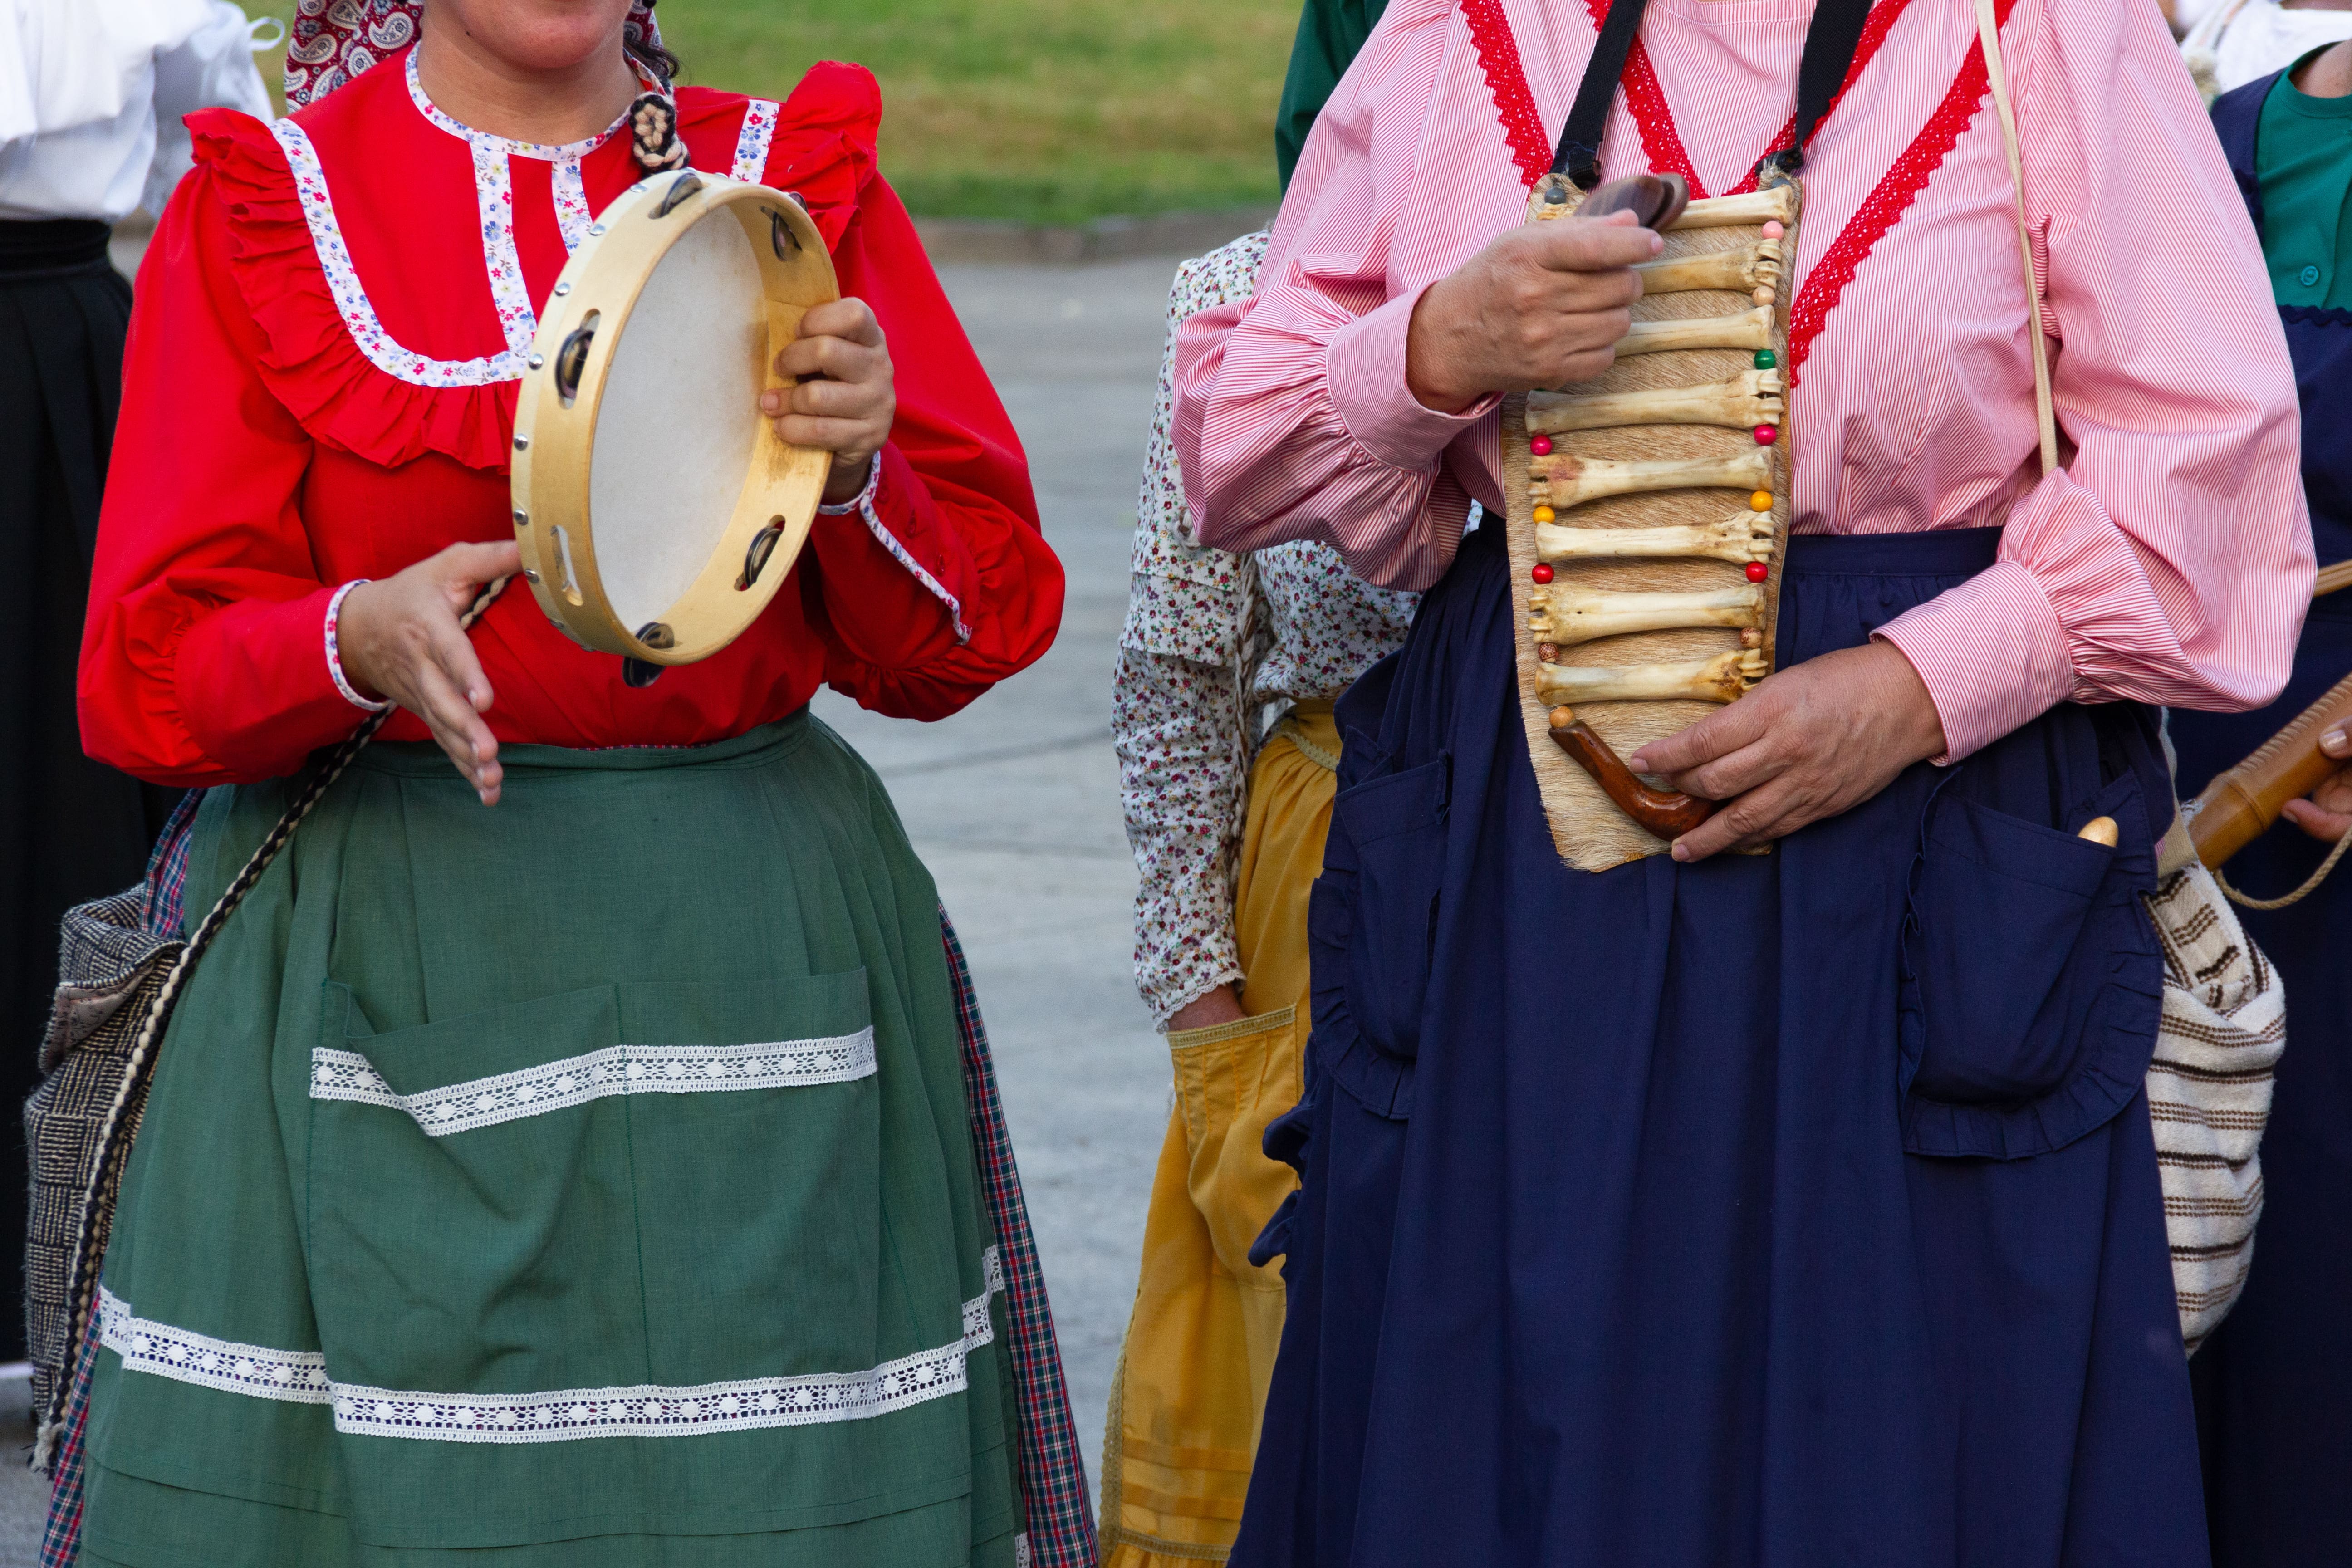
<point>2169,561</point>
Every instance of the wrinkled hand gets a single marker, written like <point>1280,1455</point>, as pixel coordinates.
<point>1544,305</point>
<point>400,638</point>
<point>1813,741</point>
<point>846,395</point>
<point>2327,812</point>
<point>1222,1005</point>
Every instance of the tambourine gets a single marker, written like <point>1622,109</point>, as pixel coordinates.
<point>657,509</point>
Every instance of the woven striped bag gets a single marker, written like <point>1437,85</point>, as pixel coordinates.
<point>2208,1091</point>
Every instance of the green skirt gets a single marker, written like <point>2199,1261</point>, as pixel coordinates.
<point>586,1181</point>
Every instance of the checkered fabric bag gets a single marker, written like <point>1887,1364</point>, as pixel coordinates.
<point>114,956</point>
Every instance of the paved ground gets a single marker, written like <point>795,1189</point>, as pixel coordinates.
<point>1014,805</point>
<point>1014,802</point>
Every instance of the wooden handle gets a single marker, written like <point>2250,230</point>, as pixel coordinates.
<point>2239,805</point>
<point>1666,814</point>
<point>2332,579</point>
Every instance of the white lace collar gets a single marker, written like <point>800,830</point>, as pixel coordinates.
<point>494,200</point>
<point>571,151</point>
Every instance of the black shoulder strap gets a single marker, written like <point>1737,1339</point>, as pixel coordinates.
<point>1579,157</point>
<point>1830,44</point>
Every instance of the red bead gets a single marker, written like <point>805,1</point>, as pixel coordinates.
<point>1758,571</point>
<point>1542,572</point>
<point>1767,433</point>
<point>1541,446</point>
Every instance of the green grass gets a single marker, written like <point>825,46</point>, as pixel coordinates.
<point>1038,110</point>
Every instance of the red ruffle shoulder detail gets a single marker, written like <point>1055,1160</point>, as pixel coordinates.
<point>823,144</point>
<point>309,362</point>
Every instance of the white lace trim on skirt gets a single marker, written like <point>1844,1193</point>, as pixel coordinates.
<point>615,1070</point>
<point>557,1415</point>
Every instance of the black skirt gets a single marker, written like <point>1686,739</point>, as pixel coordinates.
<point>70,829</point>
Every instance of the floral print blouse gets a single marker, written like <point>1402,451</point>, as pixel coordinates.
<point>1212,642</point>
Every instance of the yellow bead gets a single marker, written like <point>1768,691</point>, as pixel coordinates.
<point>1544,514</point>
<point>1760,502</point>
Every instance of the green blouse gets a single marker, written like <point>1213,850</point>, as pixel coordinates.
<point>1329,34</point>
<point>2303,155</point>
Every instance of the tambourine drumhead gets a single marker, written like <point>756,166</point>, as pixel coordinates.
<point>657,511</point>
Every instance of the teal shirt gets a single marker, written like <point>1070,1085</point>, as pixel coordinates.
<point>2303,155</point>
<point>1329,34</point>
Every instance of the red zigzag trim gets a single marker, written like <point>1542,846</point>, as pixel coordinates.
<point>1498,57</point>
<point>1887,202</point>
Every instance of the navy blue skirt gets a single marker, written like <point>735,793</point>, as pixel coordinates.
<point>1786,1210</point>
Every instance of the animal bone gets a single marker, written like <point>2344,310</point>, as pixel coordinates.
<point>1748,330</point>
<point>1723,678</point>
<point>1756,266</point>
<point>1752,397</point>
<point>1573,480</point>
<point>1742,537</point>
<point>1667,814</point>
<point>1578,615</point>
<point>1750,208</point>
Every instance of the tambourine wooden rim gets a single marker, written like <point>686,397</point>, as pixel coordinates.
<point>556,410</point>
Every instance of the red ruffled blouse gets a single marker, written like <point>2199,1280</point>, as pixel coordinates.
<point>320,386</point>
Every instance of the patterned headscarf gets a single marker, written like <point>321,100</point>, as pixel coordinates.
<point>333,41</point>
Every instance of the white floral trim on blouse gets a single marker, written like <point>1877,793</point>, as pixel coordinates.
<point>862,503</point>
<point>360,319</point>
<point>501,266</point>
<point>751,164</point>
<point>335,650</point>
<point>554,1416</point>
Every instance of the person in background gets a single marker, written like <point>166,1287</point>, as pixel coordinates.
<point>1227,821</point>
<point>90,100</point>
<point>2234,42</point>
<point>2274,1382</point>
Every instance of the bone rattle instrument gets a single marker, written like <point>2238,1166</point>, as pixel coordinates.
<point>1647,511</point>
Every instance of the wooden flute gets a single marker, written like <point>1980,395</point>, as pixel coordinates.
<point>2233,811</point>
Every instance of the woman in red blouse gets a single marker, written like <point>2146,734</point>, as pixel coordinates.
<point>586,1179</point>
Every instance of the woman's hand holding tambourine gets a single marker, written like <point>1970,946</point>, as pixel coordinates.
<point>2326,811</point>
<point>402,639</point>
<point>847,394</point>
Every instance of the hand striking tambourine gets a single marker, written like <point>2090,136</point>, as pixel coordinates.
<point>657,509</point>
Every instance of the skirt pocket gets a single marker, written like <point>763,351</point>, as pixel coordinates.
<point>2029,977</point>
<point>1396,826</point>
<point>471,1223</point>
<point>1994,895</point>
<point>642,1183</point>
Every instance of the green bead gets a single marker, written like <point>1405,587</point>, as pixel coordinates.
<point>1766,359</point>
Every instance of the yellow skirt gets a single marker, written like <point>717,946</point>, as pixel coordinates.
<point>1190,1387</point>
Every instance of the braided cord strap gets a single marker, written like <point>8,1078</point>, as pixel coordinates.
<point>2310,883</point>
<point>92,1225</point>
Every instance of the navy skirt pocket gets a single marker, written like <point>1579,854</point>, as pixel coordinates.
<point>2029,979</point>
<point>1396,826</point>
<point>1995,894</point>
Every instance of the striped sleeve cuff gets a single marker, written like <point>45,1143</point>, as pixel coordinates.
<point>1365,368</point>
<point>1992,653</point>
